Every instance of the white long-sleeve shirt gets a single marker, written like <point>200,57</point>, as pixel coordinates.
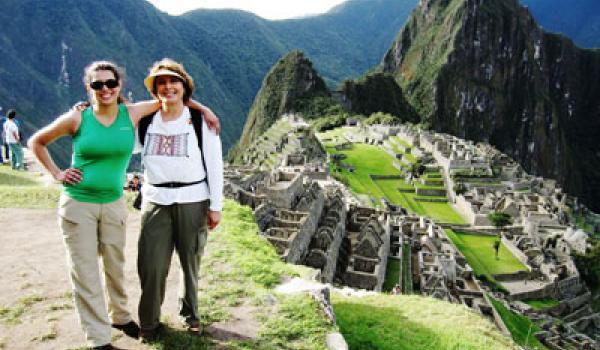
<point>171,154</point>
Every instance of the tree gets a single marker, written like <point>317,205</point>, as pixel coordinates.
<point>417,169</point>
<point>500,219</point>
<point>497,247</point>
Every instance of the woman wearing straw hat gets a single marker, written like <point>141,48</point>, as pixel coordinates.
<point>92,210</point>
<point>182,196</point>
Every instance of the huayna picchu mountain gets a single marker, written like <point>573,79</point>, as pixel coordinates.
<point>290,80</point>
<point>294,86</point>
<point>484,70</point>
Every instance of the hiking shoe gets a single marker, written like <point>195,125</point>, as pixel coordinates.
<point>152,335</point>
<point>194,327</point>
<point>131,329</point>
<point>106,347</point>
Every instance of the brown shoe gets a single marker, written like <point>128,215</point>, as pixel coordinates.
<point>194,327</point>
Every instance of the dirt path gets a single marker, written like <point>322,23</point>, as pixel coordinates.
<point>36,311</point>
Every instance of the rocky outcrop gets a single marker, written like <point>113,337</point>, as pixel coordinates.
<point>290,81</point>
<point>484,70</point>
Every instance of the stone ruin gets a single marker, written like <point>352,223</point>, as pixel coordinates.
<point>308,218</point>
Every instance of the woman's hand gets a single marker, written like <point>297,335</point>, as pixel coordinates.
<point>214,217</point>
<point>80,106</point>
<point>211,120</point>
<point>70,176</point>
<point>209,117</point>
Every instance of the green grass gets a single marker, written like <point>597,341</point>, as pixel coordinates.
<point>373,160</point>
<point>480,254</point>
<point>240,269</point>
<point>521,328</point>
<point>542,304</point>
<point>401,322</point>
<point>12,314</point>
<point>19,189</point>
<point>392,274</point>
<point>438,211</point>
<point>407,282</point>
<point>367,160</point>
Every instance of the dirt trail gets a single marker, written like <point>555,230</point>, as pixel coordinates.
<point>33,267</point>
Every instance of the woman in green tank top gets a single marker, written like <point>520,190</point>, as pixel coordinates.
<point>92,209</point>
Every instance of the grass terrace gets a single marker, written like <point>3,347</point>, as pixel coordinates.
<point>410,322</point>
<point>392,274</point>
<point>521,328</point>
<point>439,211</point>
<point>480,254</point>
<point>542,304</point>
<point>369,160</point>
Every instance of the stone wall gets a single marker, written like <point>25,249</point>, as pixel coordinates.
<point>299,247</point>
<point>516,252</point>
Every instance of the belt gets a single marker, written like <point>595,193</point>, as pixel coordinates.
<point>177,184</point>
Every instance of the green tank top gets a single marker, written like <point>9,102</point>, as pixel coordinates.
<point>102,154</point>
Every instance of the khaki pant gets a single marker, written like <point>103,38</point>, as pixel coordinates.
<point>180,227</point>
<point>92,231</point>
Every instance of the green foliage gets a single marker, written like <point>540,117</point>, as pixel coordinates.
<point>330,122</point>
<point>589,266</point>
<point>378,92</point>
<point>460,188</point>
<point>380,118</point>
<point>521,328</point>
<point>392,322</point>
<point>313,107</point>
<point>542,304</point>
<point>291,79</point>
<point>500,219</point>
<point>392,274</point>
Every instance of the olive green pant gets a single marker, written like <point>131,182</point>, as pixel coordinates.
<point>180,226</point>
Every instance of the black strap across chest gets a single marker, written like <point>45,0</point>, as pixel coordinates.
<point>197,120</point>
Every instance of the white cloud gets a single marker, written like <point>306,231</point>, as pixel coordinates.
<point>265,8</point>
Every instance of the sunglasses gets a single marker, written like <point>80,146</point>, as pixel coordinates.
<point>110,83</point>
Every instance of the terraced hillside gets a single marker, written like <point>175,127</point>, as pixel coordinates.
<point>375,172</point>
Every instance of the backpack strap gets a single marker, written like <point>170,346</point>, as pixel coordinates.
<point>143,125</point>
<point>197,121</point>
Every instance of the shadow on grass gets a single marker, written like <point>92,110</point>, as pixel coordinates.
<point>370,327</point>
<point>176,339</point>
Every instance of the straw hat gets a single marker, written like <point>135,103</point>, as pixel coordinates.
<point>149,81</point>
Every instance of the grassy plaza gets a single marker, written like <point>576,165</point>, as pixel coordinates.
<point>480,253</point>
<point>366,160</point>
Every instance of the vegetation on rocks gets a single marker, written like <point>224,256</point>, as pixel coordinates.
<point>290,80</point>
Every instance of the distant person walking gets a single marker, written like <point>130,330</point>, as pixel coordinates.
<point>92,211</point>
<point>2,139</point>
<point>182,196</point>
<point>12,137</point>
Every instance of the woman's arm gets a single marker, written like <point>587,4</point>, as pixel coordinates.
<point>209,117</point>
<point>141,109</point>
<point>67,124</point>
